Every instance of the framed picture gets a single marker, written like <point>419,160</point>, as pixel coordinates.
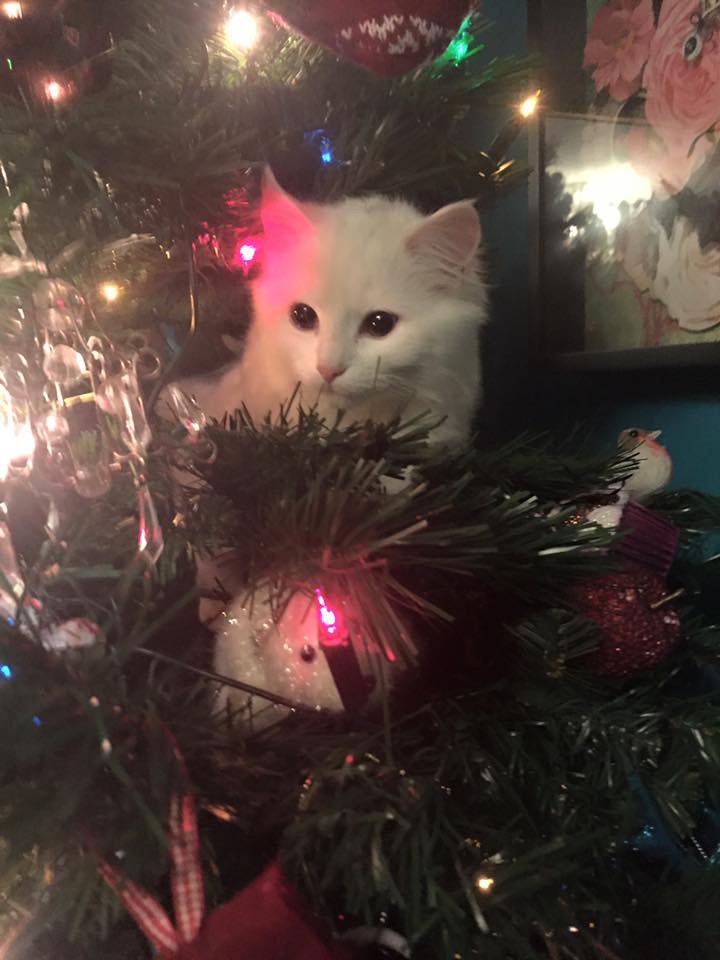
<point>627,182</point>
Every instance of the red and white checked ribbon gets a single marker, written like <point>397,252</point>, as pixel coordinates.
<point>186,881</point>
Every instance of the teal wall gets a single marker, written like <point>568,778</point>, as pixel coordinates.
<point>684,405</point>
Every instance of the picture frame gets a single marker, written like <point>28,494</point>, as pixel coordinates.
<point>626,256</point>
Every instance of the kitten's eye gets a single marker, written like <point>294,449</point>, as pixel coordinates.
<point>303,317</point>
<point>379,323</point>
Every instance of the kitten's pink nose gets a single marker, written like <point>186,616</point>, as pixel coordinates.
<point>330,373</point>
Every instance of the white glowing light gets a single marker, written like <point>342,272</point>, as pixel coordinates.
<point>51,422</point>
<point>54,91</point>
<point>12,10</point>
<point>17,441</point>
<point>241,29</point>
<point>484,884</point>
<point>247,252</point>
<point>110,291</point>
<point>17,445</point>
<point>529,105</point>
<point>606,188</point>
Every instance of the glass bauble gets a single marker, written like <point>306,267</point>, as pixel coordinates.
<point>63,364</point>
<point>93,480</point>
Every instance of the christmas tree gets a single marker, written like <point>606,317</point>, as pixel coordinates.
<point>523,758</point>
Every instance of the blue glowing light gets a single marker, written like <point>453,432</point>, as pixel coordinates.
<point>320,140</point>
<point>6,671</point>
<point>37,722</point>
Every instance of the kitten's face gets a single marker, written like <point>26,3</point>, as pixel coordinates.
<point>360,298</point>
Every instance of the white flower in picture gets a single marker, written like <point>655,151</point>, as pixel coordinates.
<point>636,247</point>
<point>687,279</point>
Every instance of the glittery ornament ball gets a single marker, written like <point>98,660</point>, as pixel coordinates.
<point>634,635</point>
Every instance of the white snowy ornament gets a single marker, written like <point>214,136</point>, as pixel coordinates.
<point>608,515</point>
<point>72,634</point>
<point>284,658</point>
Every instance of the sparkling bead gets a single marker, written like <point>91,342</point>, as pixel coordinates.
<point>308,653</point>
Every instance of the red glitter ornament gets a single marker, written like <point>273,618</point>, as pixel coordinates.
<point>638,629</point>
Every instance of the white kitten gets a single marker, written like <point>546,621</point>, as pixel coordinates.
<point>369,306</point>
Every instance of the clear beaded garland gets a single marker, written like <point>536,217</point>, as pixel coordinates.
<point>84,416</point>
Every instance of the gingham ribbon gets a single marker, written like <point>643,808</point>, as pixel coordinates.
<point>186,877</point>
<point>186,882</point>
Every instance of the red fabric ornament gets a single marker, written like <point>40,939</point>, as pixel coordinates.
<point>265,921</point>
<point>635,636</point>
<point>389,37</point>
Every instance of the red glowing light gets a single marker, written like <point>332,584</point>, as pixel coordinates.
<point>245,254</point>
<point>330,623</point>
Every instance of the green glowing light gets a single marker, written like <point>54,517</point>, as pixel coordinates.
<point>9,63</point>
<point>460,45</point>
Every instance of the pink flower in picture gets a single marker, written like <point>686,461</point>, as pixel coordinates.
<point>682,76</point>
<point>618,46</point>
<point>666,165</point>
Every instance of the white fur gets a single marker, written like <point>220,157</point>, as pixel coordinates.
<point>347,260</point>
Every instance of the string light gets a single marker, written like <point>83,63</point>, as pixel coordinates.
<point>241,29</point>
<point>12,10</point>
<point>54,91</point>
<point>322,143</point>
<point>17,441</point>
<point>529,105</point>
<point>110,291</point>
<point>484,883</point>
<point>328,617</point>
<point>512,127</point>
<point>460,45</point>
<point>247,252</point>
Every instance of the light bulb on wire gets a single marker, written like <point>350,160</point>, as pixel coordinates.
<point>241,28</point>
<point>484,883</point>
<point>247,252</point>
<point>510,130</point>
<point>529,105</point>
<point>109,291</point>
<point>54,91</point>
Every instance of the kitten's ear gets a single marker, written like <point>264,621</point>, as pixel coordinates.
<point>450,237</point>
<point>280,214</point>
